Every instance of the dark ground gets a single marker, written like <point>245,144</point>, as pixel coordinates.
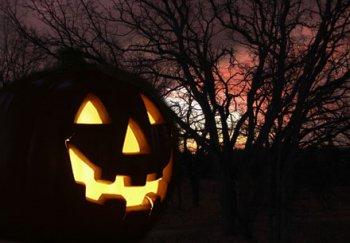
<point>317,217</point>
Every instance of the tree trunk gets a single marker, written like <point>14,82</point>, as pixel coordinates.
<point>228,199</point>
<point>237,195</point>
<point>281,184</point>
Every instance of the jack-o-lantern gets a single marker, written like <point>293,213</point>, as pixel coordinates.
<point>84,154</point>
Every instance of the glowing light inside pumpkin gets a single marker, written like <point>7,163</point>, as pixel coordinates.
<point>84,172</point>
<point>135,141</point>
<point>153,113</point>
<point>130,143</point>
<point>92,111</point>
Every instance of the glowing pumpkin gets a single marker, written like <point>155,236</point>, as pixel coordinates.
<point>85,154</point>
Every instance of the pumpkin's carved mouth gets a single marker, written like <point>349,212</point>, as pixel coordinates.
<point>98,191</point>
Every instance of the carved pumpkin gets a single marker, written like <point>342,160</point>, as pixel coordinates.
<point>85,154</point>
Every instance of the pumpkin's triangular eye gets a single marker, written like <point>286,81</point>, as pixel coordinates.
<point>153,113</point>
<point>135,141</point>
<point>92,111</point>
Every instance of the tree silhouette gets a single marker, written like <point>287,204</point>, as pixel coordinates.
<point>18,56</point>
<point>67,24</point>
<point>299,95</point>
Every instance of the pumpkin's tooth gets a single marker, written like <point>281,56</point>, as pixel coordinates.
<point>135,180</point>
<point>107,175</point>
<point>106,197</point>
<point>116,202</point>
<point>149,203</point>
<point>152,177</point>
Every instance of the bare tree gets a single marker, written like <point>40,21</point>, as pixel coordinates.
<point>299,79</point>
<point>179,42</point>
<point>18,56</point>
<point>54,25</point>
<point>296,87</point>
